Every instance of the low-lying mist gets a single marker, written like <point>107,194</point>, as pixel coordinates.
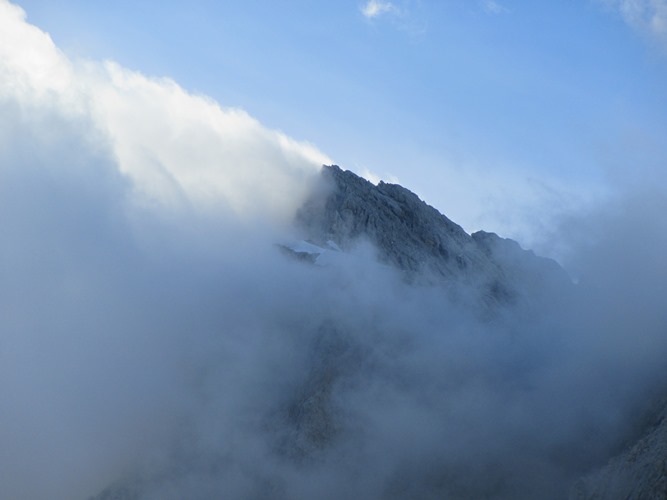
<point>153,336</point>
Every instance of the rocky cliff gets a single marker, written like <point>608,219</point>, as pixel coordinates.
<point>412,236</point>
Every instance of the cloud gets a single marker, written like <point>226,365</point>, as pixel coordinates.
<point>375,178</point>
<point>404,16</point>
<point>646,16</point>
<point>122,199</point>
<point>375,8</point>
<point>178,149</point>
<point>185,149</point>
<point>493,7</point>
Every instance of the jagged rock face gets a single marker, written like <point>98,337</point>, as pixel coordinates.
<point>407,232</point>
<point>414,237</point>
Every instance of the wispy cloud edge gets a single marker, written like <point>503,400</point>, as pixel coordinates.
<point>648,17</point>
<point>375,8</point>
<point>493,7</point>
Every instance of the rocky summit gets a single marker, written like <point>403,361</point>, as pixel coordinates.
<point>416,238</point>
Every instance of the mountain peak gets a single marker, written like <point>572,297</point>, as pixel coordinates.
<point>416,238</point>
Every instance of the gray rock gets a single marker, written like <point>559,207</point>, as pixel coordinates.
<point>535,278</point>
<point>640,472</point>
<point>420,241</point>
<point>407,232</point>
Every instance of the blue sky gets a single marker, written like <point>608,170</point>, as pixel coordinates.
<point>503,115</point>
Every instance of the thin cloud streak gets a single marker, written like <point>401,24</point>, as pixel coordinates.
<point>493,7</point>
<point>649,17</point>
<point>403,17</point>
<point>375,8</point>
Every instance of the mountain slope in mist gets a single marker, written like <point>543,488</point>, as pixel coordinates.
<point>640,471</point>
<point>414,237</point>
<point>415,377</point>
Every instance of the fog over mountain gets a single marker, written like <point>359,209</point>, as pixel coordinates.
<point>193,307</point>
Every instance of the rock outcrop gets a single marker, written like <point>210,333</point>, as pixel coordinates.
<point>417,239</point>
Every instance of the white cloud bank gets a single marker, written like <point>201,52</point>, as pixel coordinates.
<point>125,201</point>
<point>178,149</point>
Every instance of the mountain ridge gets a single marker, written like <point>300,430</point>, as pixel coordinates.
<point>416,238</point>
